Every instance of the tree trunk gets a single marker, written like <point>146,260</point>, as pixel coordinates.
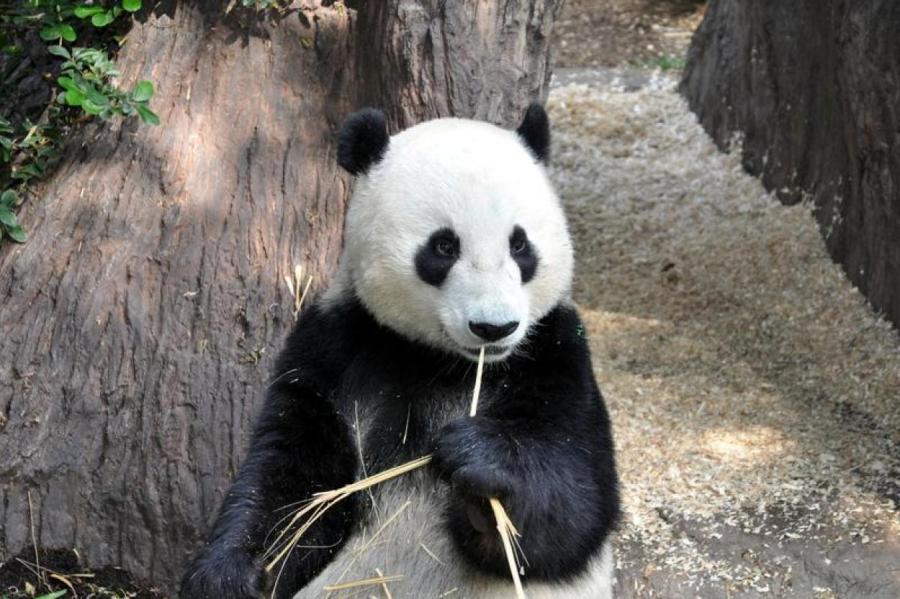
<point>812,86</point>
<point>138,323</point>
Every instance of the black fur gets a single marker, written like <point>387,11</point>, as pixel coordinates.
<point>363,140</point>
<point>433,265</point>
<point>300,445</point>
<point>542,444</point>
<point>535,131</point>
<point>523,253</point>
<point>545,450</point>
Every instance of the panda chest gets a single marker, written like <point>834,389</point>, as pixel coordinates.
<point>395,420</point>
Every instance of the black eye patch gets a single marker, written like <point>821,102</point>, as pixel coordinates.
<point>523,253</point>
<point>437,256</point>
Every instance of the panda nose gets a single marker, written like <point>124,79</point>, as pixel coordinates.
<point>493,332</point>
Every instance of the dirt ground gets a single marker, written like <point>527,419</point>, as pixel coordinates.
<point>616,33</point>
<point>754,393</point>
<point>30,576</point>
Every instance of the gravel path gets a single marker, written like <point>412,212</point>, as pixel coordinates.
<point>755,395</point>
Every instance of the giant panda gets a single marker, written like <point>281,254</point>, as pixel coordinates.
<point>454,241</point>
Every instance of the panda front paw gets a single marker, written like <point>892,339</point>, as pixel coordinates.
<point>469,454</point>
<point>230,575</point>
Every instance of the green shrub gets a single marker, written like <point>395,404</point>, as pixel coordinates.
<point>86,88</point>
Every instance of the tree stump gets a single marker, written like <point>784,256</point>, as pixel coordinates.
<point>813,87</point>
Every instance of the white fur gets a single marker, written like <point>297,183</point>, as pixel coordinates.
<point>408,540</point>
<point>480,181</point>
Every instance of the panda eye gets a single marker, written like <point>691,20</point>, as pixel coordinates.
<point>446,248</point>
<point>518,242</point>
<point>436,256</point>
<point>523,253</point>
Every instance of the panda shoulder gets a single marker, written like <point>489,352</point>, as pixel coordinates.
<point>561,335</point>
<point>323,337</point>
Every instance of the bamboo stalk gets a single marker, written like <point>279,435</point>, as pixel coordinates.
<point>323,501</point>
<point>507,532</point>
<point>473,409</point>
<point>505,527</point>
<point>363,583</point>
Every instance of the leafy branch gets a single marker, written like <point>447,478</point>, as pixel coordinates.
<point>85,80</point>
<point>85,88</point>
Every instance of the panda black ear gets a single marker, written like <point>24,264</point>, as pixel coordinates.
<point>363,140</point>
<point>535,131</point>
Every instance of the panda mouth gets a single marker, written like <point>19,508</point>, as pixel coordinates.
<point>489,350</point>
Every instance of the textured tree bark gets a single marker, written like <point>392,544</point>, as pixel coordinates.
<point>812,86</point>
<point>138,323</point>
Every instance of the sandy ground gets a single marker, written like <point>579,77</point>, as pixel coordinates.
<point>755,395</point>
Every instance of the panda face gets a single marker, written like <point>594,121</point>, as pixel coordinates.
<point>479,285</point>
<point>455,238</point>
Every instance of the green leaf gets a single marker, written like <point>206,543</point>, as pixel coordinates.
<point>18,234</point>
<point>67,83</point>
<point>102,19</point>
<point>74,97</point>
<point>83,12</point>
<point>59,51</point>
<point>90,107</point>
<point>96,97</point>
<point>8,198</point>
<point>29,171</point>
<point>50,33</point>
<point>143,91</point>
<point>131,5</point>
<point>147,115</point>
<point>8,218</point>
<point>53,595</point>
<point>67,32</point>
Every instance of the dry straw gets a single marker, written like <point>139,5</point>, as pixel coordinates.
<point>297,288</point>
<point>314,509</point>
<point>365,582</point>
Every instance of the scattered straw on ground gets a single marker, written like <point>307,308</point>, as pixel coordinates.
<point>754,393</point>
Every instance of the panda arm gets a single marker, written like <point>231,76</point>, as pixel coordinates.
<point>545,447</point>
<point>299,446</point>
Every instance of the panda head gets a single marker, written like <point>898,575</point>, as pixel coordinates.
<point>454,236</point>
